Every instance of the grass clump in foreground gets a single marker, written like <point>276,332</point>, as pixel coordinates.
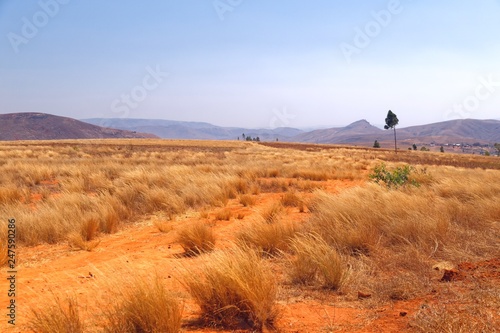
<point>316,262</point>
<point>196,238</point>
<point>247,200</point>
<point>268,238</point>
<point>57,317</point>
<point>144,306</point>
<point>273,212</point>
<point>291,199</point>
<point>234,287</point>
<point>77,242</point>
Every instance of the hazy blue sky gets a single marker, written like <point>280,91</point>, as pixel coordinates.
<point>252,63</point>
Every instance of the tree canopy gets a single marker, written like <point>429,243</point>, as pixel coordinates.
<point>391,120</point>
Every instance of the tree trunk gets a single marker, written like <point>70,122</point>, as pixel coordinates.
<point>395,145</point>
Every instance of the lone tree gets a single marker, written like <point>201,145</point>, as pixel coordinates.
<point>390,122</point>
<point>376,144</point>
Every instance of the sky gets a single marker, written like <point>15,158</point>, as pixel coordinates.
<point>252,63</point>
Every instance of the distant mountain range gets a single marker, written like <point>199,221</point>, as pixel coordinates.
<point>40,126</point>
<point>170,129</point>
<point>358,133</point>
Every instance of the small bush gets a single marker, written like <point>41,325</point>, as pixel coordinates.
<point>57,317</point>
<point>196,238</point>
<point>316,262</point>
<point>395,178</point>
<point>233,287</point>
<point>144,306</point>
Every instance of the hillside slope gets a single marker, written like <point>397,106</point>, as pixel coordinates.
<point>42,126</point>
<point>460,129</point>
<point>348,134</point>
<point>452,131</point>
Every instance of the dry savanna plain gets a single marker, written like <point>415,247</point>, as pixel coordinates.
<point>231,236</point>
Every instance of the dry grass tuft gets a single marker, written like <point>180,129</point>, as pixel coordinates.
<point>255,189</point>
<point>204,214</point>
<point>400,286</point>
<point>316,175</point>
<point>269,238</point>
<point>90,229</point>
<point>316,262</point>
<point>10,195</point>
<point>291,199</point>
<point>144,306</point>
<point>196,238</point>
<point>164,226</point>
<point>223,215</point>
<point>164,222</point>
<point>247,200</point>
<point>57,317</point>
<point>241,186</point>
<point>76,241</point>
<point>360,219</point>
<point>272,212</point>
<point>234,287</point>
<point>446,319</point>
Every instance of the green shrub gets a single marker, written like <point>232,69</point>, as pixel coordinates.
<point>400,176</point>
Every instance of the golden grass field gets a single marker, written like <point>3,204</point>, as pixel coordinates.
<point>224,236</point>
